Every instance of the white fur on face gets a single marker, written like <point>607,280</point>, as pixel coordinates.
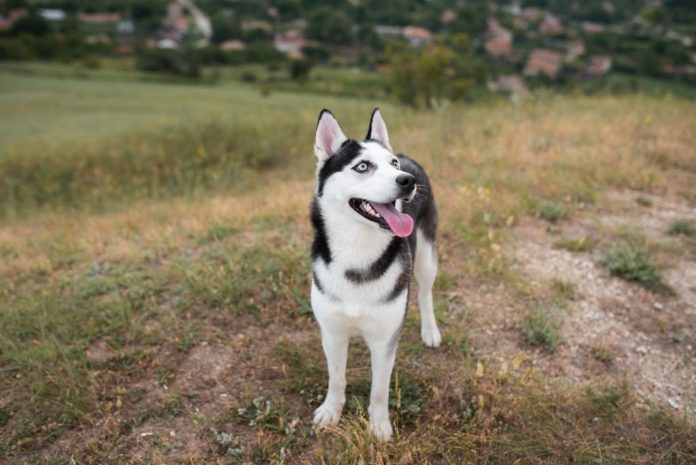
<point>377,185</point>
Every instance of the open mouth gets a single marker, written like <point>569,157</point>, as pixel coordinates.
<point>385,215</point>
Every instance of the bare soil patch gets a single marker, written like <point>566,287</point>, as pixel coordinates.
<point>612,327</point>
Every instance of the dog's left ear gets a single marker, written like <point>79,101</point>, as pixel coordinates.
<point>378,129</point>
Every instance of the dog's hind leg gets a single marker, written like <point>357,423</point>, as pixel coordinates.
<point>425,269</point>
<point>336,349</point>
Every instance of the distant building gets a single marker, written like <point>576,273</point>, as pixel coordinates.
<point>686,70</point>
<point>99,18</point>
<point>511,84</point>
<point>499,42</point>
<point>599,64</point>
<point>292,44</point>
<point>52,14</point>
<point>12,16</point>
<point>531,13</point>
<point>551,25</point>
<point>177,21</point>
<point>513,9</point>
<point>448,16</point>
<point>125,26</point>
<point>167,44</point>
<point>593,28</point>
<point>388,31</point>
<point>499,46</point>
<point>232,46</point>
<point>251,24</point>
<point>545,62</point>
<point>494,28</point>
<point>574,49</point>
<point>417,36</point>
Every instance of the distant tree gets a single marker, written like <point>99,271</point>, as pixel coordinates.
<point>225,27</point>
<point>439,71</point>
<point>31,24</point>
<point>300,69</point>
<point>184,62</point>
<point>317,54</point>
<point>330,25</point>
<point>472,19</point>
<point>652,14</point>
<point>262,52</point>
<point>682,11</point>
<point>288,9</point>
<point>256,35</point>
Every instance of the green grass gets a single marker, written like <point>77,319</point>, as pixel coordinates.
<point>634,265</point>
<point>682,228</point>
<point>603,355</point>
<point>541,327</point>
<point>552,211</point>
<point>573,245</point>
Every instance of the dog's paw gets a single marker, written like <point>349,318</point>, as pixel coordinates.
<point>431,336</point>
<point>326,415</point>
<point>381,430</point>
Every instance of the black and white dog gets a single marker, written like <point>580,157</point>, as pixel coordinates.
<point>374,222</point>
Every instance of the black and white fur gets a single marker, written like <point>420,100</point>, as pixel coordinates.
<point>361,270</point>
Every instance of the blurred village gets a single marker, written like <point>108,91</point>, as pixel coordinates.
<point>517,44</point>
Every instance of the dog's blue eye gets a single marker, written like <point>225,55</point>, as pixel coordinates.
<point>361,167</point>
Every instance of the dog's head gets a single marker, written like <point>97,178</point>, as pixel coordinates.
<point>362,180</point>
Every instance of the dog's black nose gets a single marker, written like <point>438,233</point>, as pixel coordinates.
<point>406,181</point>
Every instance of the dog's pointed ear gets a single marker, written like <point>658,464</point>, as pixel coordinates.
<point>329,136</point>
<point>378,129</point>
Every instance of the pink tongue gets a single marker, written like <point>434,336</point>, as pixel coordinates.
<point>401,224</point>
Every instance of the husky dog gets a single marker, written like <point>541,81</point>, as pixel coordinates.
<point>374,222</point>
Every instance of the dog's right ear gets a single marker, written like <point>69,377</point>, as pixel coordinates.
<point>329,136</point>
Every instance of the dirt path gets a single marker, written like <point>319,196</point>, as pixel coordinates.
<point>612,327</point>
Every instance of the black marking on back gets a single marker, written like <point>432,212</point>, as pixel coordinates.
<point>381,265</point>
<point>320,246</point>
<point>349,151</point>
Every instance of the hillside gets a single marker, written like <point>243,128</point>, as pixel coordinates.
<point>513,47</point>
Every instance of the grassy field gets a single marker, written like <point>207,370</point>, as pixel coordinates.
<point>154,279</point>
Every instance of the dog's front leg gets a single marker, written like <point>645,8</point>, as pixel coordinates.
<point>382,356</point>
<point>336,350</point>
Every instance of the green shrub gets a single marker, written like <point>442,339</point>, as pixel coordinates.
<point>552,211</point>
<point>300,69</point>
<point>634,265</point>
<point>540,328</point>
<point>682,227</point>
<point>573,245</point>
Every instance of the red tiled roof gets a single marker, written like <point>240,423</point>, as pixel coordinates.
<point>100,17</point>
<point>543,61</point>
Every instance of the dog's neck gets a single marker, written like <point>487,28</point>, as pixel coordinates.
<point>353,244</point>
